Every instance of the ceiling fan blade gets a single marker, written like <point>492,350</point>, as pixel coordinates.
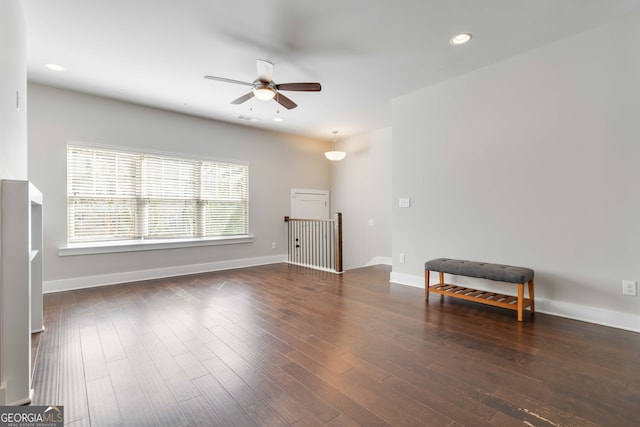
<point>284,101</point>
<point>265,70</point>
<point>301,87</point>
<point>222,79</point>
<point>243,98</point>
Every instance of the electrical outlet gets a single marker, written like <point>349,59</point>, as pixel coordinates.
<point>273,245</point>
<point>402,258</point>
<point>629,288</point>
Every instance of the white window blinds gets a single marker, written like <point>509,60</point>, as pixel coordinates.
<point>119,195</point>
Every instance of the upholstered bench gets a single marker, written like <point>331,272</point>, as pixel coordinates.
<point>482,270</point>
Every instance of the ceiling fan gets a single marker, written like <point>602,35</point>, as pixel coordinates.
<point>264,88</point>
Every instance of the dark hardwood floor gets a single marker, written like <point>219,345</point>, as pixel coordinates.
<point>282,345</point>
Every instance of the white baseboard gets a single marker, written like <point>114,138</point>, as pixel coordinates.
<point>379,260</point>
<point>156,273</point>
<point>407,279</point>
<point>20,402</point>
<point>599,316</point>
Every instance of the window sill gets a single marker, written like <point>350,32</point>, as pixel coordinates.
<point>73,249</point>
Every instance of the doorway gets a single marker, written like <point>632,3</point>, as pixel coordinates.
<point>309,204</point>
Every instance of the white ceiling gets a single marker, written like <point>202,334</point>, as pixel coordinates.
<point>363,52</point>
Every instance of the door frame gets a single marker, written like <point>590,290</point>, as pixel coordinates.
<point>295,191</point>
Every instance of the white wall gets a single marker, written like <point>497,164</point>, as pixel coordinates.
<point>13,78</point>
<point>361,190</point>
<point>13,165</point>
<point>532,161</point>
<point>278,162</point>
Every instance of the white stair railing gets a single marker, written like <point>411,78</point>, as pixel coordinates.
<point>315,243</point>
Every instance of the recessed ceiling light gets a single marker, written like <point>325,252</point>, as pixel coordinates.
<point>55,67</point>
<point>277,119</point>
<point>460,39</point>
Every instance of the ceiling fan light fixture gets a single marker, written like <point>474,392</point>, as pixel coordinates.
<point>264,88</point>
<point>264,92</point>
<point>335,155</point>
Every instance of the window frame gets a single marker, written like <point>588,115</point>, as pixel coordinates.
<point>126,245</point>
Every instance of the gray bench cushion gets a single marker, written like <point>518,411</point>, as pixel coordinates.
<point>483,270</point>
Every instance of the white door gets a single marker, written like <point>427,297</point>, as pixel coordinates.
<point>309,204</point>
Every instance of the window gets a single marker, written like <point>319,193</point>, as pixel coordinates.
<point>121,195</point>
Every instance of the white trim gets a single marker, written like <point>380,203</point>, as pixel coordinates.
<point>377,260</point>
<point>141,150</point>
<point>315,267</point>
<point>156,273</point>
<point>296,191</point>
<point>407,279</point>
<point>148,245</point>
<point>599,316</point>
<point>23,401</point>
<point>19,402</point>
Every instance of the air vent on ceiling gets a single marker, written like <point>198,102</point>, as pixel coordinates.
<point>248,118</point>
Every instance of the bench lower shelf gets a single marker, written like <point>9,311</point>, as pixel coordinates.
<point>485,297</point>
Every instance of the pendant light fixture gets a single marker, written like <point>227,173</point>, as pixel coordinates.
<point>334,155</point>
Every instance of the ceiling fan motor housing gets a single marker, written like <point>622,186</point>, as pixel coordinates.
<point>264,90</point>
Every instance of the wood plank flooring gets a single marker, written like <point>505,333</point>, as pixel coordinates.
<point>281,345</point>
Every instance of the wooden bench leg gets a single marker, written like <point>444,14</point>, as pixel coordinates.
<point>426,285</point>
<point>533,307</point>
<point>441,274</point>
<point>520,301</point>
